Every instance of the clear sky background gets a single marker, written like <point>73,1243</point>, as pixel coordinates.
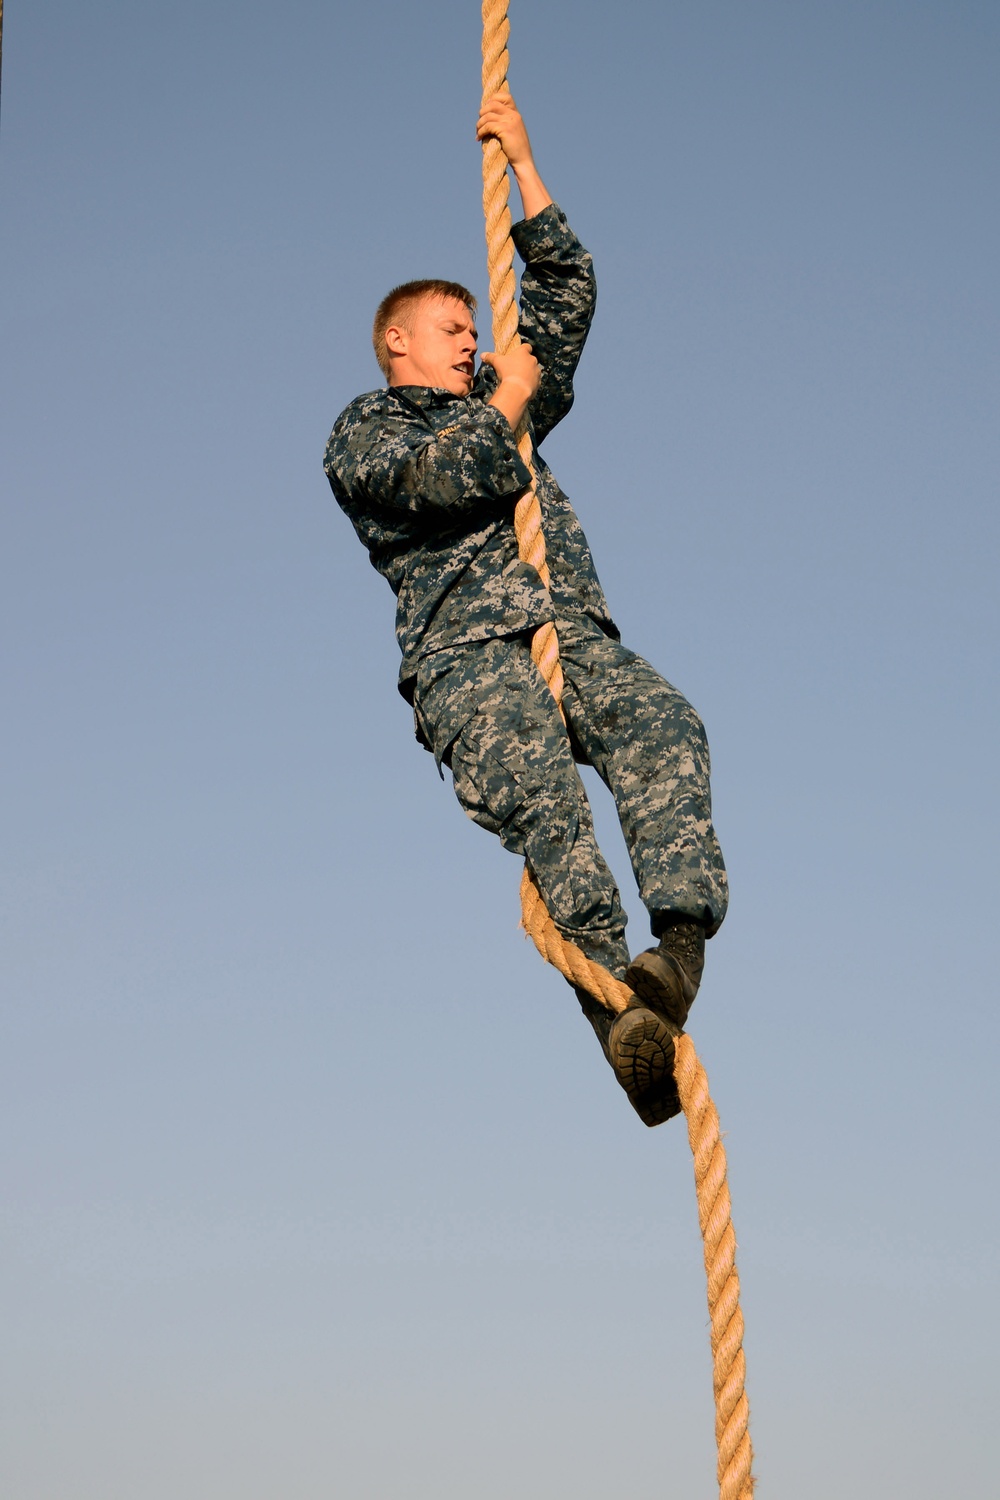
<point>315,1182</point>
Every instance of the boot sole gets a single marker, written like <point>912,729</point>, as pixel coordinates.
<point>642,1055</point>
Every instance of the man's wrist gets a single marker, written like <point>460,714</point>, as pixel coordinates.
<point>511,399</point>
<point>509,382</point>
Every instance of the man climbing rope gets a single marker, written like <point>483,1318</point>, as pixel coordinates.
<point>428,471</point>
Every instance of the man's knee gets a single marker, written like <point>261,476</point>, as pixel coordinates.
<point>539,810</point>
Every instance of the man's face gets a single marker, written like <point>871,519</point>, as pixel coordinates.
<point>439,349</point>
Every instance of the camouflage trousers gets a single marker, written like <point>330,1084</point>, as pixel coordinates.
<point>485,710</point>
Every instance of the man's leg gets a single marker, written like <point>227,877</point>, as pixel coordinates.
<point>649,746</point>
<point>514,774</point>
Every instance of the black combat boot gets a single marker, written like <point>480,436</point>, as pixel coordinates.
<point>640,1045</point>
<point>640,1048</point>
<point>641,1051</point>
<point>666,978</point>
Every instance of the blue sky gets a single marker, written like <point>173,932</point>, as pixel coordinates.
<point>316,1183</point>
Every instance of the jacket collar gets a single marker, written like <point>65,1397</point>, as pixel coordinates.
<point>427,397</point>
<point>434,397</point>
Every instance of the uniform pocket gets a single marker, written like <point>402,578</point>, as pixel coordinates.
<point>491,789</point>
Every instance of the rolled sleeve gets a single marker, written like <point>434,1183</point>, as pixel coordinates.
<point>547,236</point>
<point>558,297</point>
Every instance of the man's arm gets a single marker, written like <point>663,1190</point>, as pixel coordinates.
<point>501,117</point>
<point>520,376</point>
<point>391,461</point>
<point>518,370</point>
<point>557,287</point>
<point>558,295</point>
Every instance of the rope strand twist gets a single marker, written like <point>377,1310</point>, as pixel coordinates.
<point>732,1434</point>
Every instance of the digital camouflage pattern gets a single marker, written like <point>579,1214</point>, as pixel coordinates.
<point>429,481</point>
<point>487,708</point>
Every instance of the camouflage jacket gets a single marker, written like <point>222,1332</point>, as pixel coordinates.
<point>429,479</point>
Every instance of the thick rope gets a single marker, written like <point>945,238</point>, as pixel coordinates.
<point>732,1434</point>
<point>500,263</point>
<point>732,1410</point>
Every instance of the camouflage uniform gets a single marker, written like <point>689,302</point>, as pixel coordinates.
<point>429,481</point>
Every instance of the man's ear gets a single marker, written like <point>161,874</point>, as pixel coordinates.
<point>397,340</point>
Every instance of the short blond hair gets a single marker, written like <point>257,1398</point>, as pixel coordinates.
<point>398,307</point>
